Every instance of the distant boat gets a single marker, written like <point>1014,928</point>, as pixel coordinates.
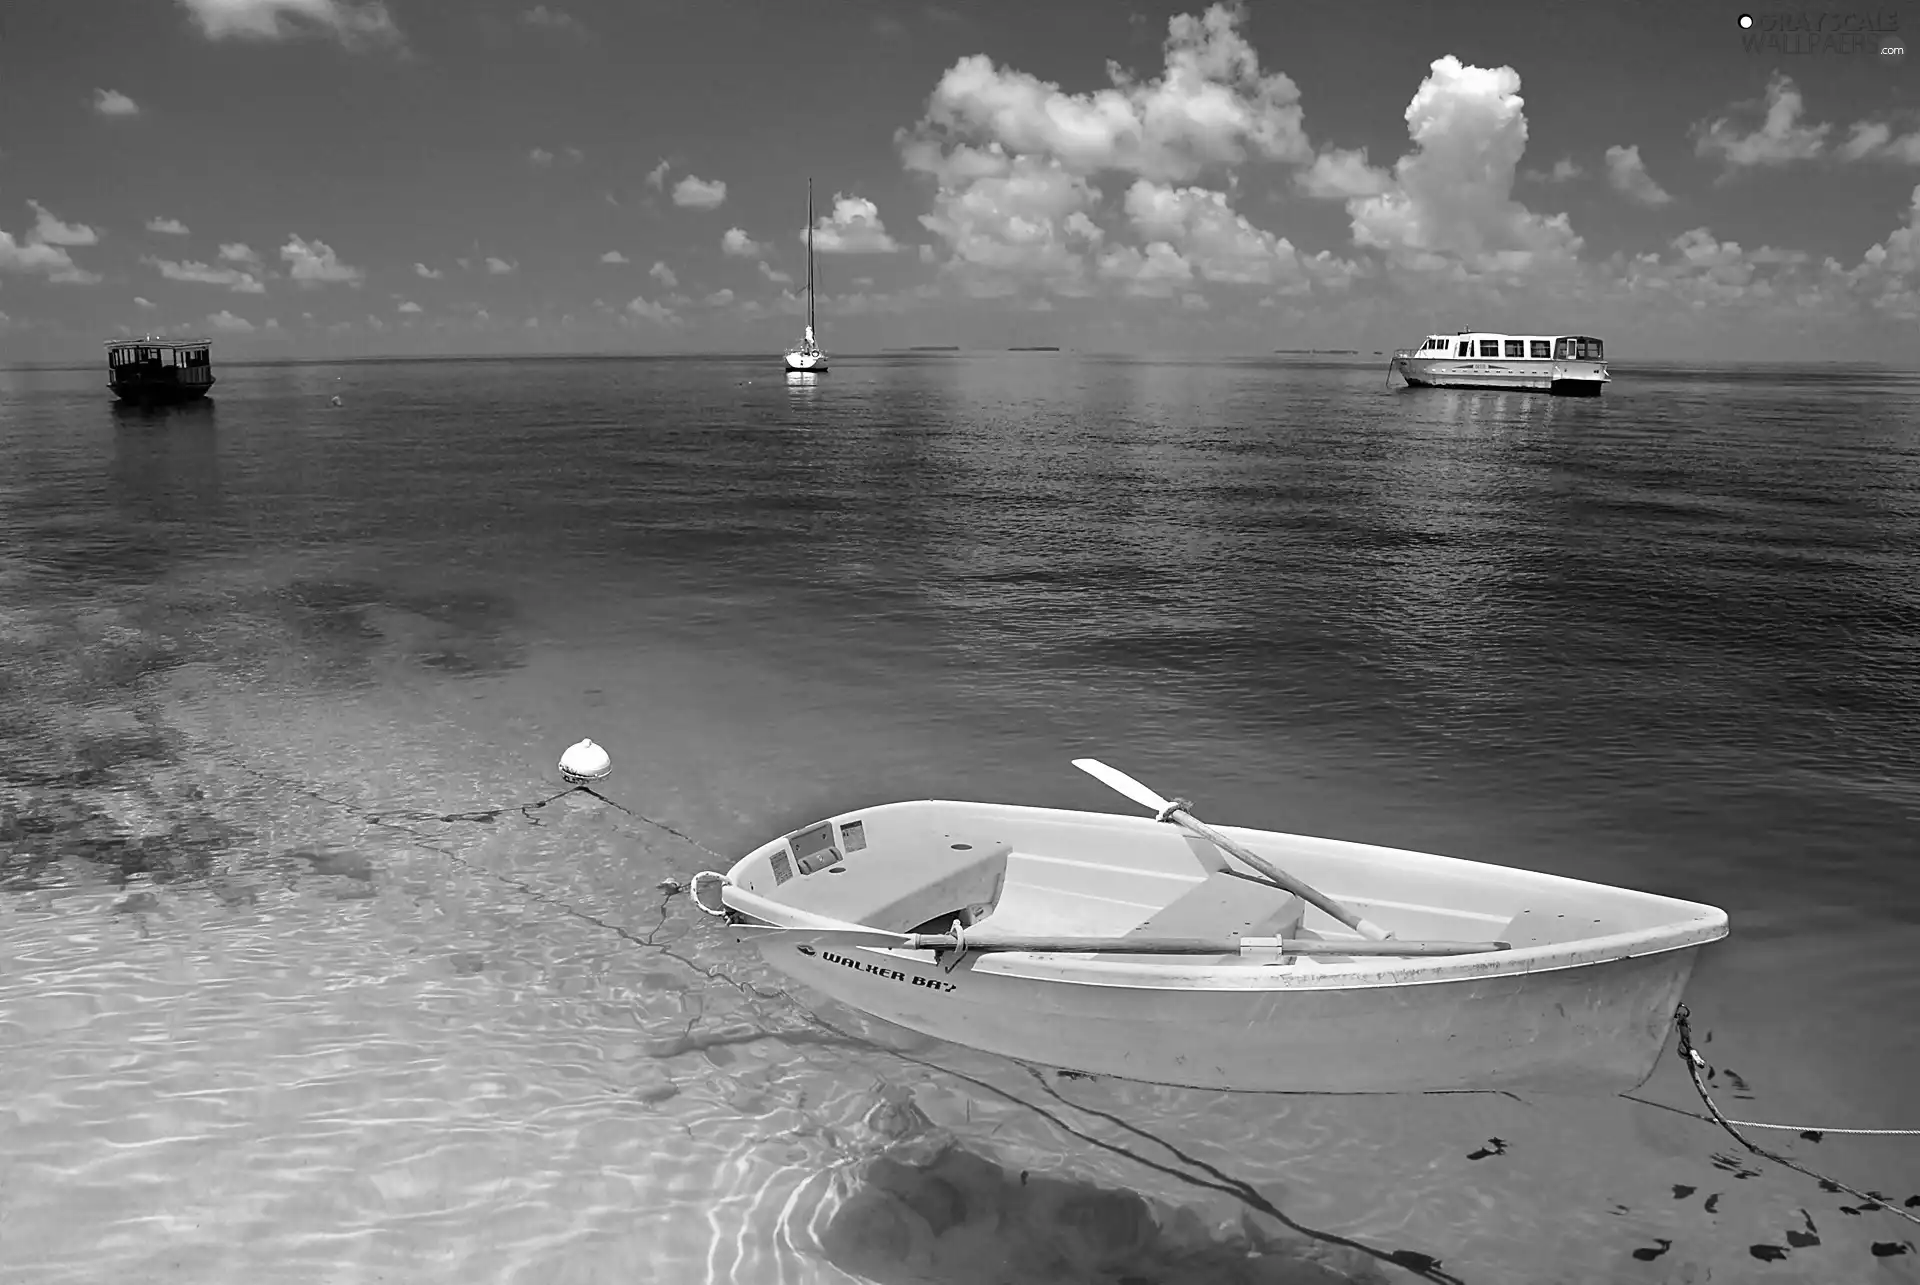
<point>1566,364</point>
<point>808,355</point>
<point>150,371</point>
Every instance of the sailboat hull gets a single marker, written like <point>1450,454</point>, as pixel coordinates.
<point>806,361</point>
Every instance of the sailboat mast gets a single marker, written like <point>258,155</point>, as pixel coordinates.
<point>809,256</point>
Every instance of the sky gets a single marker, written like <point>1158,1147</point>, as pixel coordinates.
<point>324,178</point>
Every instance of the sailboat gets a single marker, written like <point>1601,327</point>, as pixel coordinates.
<point>808,355</point>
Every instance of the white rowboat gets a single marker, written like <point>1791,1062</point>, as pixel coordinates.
<point>1129,947</point>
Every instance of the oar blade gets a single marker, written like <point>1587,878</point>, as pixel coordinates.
<point>1115,779</point>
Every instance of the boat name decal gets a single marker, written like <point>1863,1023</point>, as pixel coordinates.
<point>891,974</point>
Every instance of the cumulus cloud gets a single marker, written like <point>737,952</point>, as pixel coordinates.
<point>499,267</point>
<point>111,102</point>
<point>1876,141</point>
<point>657,176</point>
<point>718,299</point>
<point>313,263</point>
<point>773,274</point>
<point>540,156</point>
<point>235,279</point>
<point>238,252</point>
<point>408,306</point>
<point>167,227</point>
<point>44,254</point>
<point>741,246</point>
<point>139,302</point>
<point>51,230</point>
<point>853,227</point>
<point>227,323</point>
<point>353,23</point>
<point>614,256</point>
<point>663,274</point>
<point>1447,206</point>
<point>557,21</point>
<point>1017,163</point>
<point>698,193</point>
<point>647,310</point>
<point>1628,174</point>
<point>1211,106</point>
<point>1779,137</point>
<point>431,274</point>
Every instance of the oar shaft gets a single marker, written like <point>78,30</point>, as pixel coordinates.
<point>1314,896</point>
<point>1198,945</point>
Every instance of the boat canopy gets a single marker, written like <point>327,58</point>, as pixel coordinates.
<point>1484,345</point>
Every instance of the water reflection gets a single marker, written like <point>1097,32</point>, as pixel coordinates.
<point>802,381</point>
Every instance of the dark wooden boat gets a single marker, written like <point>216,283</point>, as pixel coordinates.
<point>159,372</point>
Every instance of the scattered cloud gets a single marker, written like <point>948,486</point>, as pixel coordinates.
<point>640,306</point>
<point>227,323</point>
<point>313,263</point>
<point>51,230</point>
<point>558,21</point>
<point>139,302</point>
<point>540,156</point>
<point>852,228</point>
<point>431,274</point>
<point>238,252</point>
<point>167,227</point>
<point>235,279</point>
<point>1628,174</point>
<point>699,193</point>
<point>741,246</point>
<point>111,102</point>
<point>543,157</point>
<point>44,254</point>
<point>614,256</point>
<point>1341,175</point>
<point>353,23</point>
<point>1876,141</point>
<point>774,274</point>
<point>1564,170</point>
<point>718,299</point>
<point>663,274</point>
<point>499,267</point>
<point>1779,137</point>
<point>657,176</point>
<point>408,306</point>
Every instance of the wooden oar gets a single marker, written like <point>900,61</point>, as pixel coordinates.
<point>964,941</point>
<point>1178,812</point>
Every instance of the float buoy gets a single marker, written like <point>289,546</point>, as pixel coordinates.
<point>584,762</point>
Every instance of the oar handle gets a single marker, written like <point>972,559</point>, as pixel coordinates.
<point>1177,812</point>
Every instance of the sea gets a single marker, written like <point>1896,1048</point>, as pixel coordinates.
<point>312,969</point>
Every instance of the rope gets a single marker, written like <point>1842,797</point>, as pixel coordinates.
<point>1691,1056</point>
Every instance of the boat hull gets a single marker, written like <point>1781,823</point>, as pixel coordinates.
<point>810,363</point>
<point>1567,379</point>
<point>159,394</point>
<point>1594,1028</point>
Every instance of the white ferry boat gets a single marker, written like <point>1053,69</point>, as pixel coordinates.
<point>1568,364</point>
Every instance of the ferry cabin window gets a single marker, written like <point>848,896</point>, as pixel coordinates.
<point>1562,351</point>
<point>1466,348</point>
<point>1540,347</point>
<point>1489,347</point>
<point>1516,347</point>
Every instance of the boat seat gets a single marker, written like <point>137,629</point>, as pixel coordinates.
<point>967,893</point>
<point>1227,904</point>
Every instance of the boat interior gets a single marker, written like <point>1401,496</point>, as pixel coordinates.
<point>1039,872</point>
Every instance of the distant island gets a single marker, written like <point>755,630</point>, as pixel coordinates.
<point>1036,348</point>
<point>1318,352</point>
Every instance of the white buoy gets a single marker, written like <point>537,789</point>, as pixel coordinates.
<point>584,762</point>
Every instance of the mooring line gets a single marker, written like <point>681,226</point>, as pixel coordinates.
<point>1695,1063</point>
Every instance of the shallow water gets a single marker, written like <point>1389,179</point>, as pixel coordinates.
<point>291,988</point>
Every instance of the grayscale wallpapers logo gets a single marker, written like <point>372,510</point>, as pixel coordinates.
<point>1805,32</point>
